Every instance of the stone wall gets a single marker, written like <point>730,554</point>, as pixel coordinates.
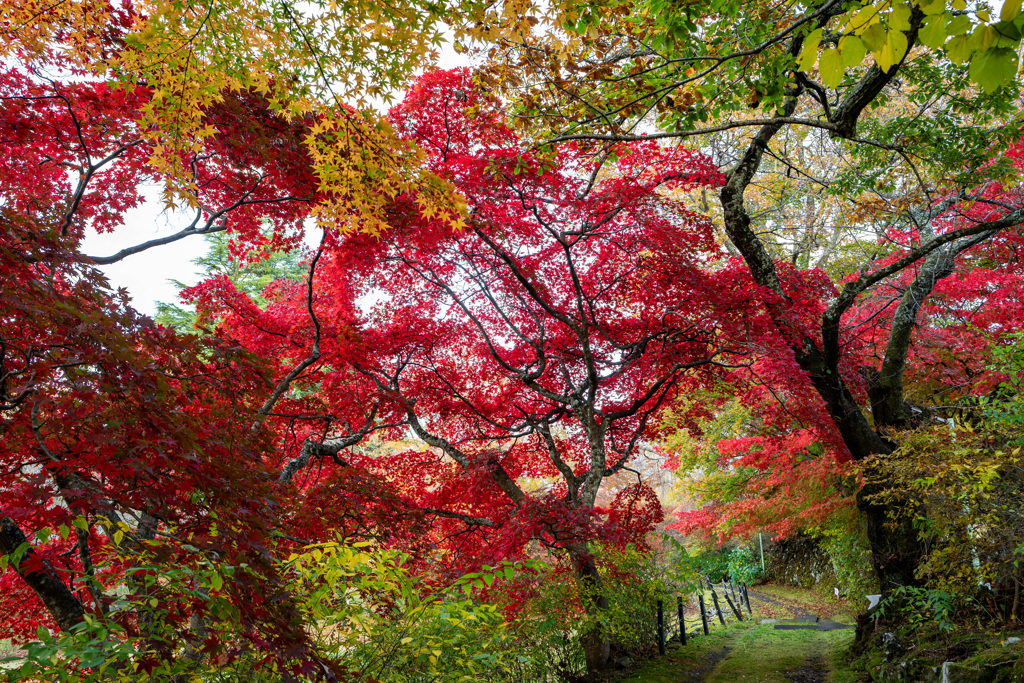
<point>800,561</point>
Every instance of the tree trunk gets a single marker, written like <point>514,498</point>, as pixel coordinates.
<point>596,644</point>
<point>58,599</point>
<point>888,406</point>
<point>896,550</point>
<point>894,553</point>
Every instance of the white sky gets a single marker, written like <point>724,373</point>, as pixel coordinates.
<point>146,275</point>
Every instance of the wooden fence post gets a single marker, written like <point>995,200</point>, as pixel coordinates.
<point>704,614</point>
<point>714,596</point>
<point>682,624</point>
<point>661,627</point>
<point>733,606</point>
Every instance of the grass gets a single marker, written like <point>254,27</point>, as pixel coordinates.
<point>825,606</point>
<point>755,653</point>
<point>678,658</point>
<point>762,654</point>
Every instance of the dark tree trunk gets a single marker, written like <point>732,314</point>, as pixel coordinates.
<point>896,550</point>
<point>58,599</point>
<point>596,644</point>
<point>894,555</point>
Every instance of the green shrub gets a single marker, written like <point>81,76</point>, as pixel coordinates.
<point>919,607</point>
<point>743,566</point>
<point>712,564</point>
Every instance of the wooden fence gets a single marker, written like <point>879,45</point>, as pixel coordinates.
<point>672,621</point>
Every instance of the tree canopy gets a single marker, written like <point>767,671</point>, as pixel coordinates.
<point>779,240</point>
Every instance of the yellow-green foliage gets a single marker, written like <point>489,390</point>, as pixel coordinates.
<point>369,611</point>
<point>632,583</point>
<point>376,618</point>
<point>362,606</point>
<point>964,485</point>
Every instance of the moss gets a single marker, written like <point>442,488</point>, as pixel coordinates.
<point>975,656</point>
<point>678,658</point>
<point>755,653</point>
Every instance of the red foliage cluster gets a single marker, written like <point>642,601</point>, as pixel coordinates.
<point>145,435</point>
<point>532,350</point>
<point>795,468</point>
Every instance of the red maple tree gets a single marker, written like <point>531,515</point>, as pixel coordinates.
<point>529,353</point>
<point>127,444</point>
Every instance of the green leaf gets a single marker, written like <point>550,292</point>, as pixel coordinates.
<point>63,530</point>
<point>43,535</point>
<point>1008,32</point>
<point>867,16</point>
<point>216,581</point>
<point>933,33</point>
<point>899,18</point>
<point>810,51</point>
<point>994,68</point>
<point>18,553</point>
<point>984,38</point>
<point>892,52</point>
<point>853,50</point>
<point>959,49</point>
<point>1010,11</point>
<point>874,37</point>
<point>958,25</point>
<point>830,66</point>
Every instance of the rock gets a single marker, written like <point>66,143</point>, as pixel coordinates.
<point>623,663</point>
<point>892,646</point>
<point>763,622</point>
<point>910,671</point>
<point>1011,641</point>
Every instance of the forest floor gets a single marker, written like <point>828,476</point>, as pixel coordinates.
<point>753,651</point>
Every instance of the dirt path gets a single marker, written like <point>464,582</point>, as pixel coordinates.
<point>791,646</point>
<point>814,671</point>
<point>697,673</point>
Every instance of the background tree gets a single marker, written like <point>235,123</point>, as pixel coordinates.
<point>541,341</point>
<point>601,74</point>
<point>251,272</point>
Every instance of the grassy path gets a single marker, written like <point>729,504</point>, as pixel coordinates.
<point>751,652</point>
